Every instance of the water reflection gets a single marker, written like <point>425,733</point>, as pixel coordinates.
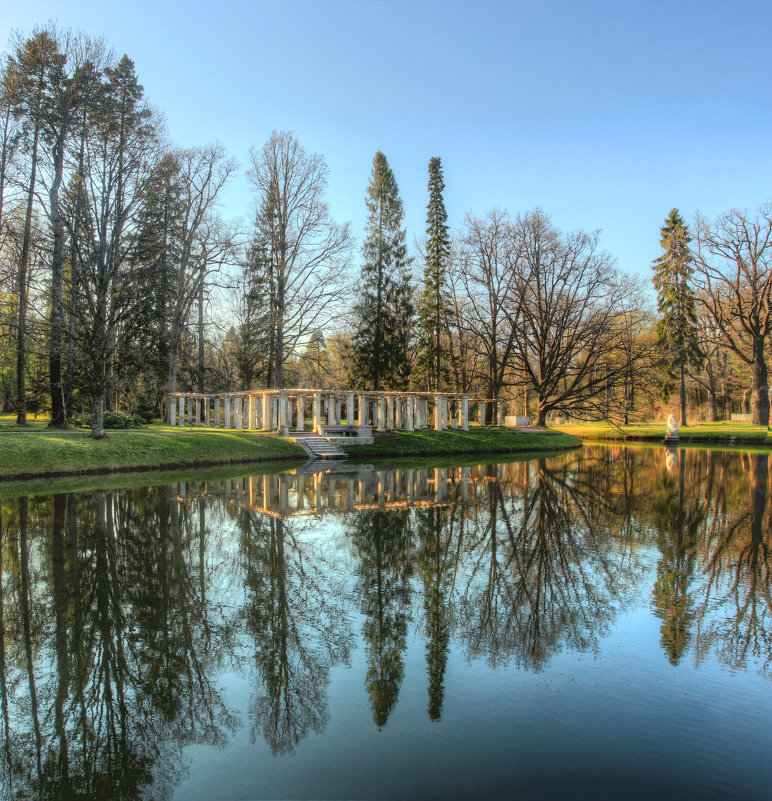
<point>121,612</point>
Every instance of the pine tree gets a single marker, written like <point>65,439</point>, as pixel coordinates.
<point>434,307</point>
<point>384,311</point>
<point>677,329</point>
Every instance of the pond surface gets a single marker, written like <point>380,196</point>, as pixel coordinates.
<point>591,625</point>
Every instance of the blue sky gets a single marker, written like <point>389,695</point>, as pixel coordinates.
<point>605,114</point>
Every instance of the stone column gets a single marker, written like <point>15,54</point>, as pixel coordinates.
<point>181,407</point>
<point>410,413</point>
<point>363,410</point>
<point>330,410</point>
<point>227,420</point>
<point>482,413</point>
<point>389,412</point>
<point>301,414</point>
<point>216,414</point>
<point>317,413</point>
<point>437,414</point>
<point>288,407</point>
<point>251,415</point>
<point>283,429</point>
<point>350,409</point>
<point>465,412</point>
<point>381,413</point>
<point>452,418</point>
<point>274,411</point>
<point>171,411</point>
<point>499,413</point>
<point>238,415</point>
<point>338,411</point>
<point>267,407</point>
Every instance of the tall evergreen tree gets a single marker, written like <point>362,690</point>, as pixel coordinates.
<point>384,311</point>
<point>434,306</point>
<point>678,331</point>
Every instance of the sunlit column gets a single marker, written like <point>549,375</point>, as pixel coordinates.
<point>350,409</point>
<point>330,410</point>
<point>216,413</point>
<point>266,412</point>
<point>465,412</point>
<point>283,413</point>
<point>227,420</point>
<point>301,414</point>
<point>410,412</point>
<point>239,411</point>
<point>362,410</point>
<point>381,413</point>
<point>318,413</point>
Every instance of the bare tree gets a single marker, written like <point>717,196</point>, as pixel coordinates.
<point>307,253</point>
<point>568,315</point>
<point>486,268</point>
<point>733,260</point>
<point>203,244</point>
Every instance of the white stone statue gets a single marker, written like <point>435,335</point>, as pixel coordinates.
<point>672,428</point>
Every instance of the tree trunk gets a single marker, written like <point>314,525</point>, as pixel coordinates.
<point>684,424</point>
<point>23,278</point>
<point>58,410</point>
<point>201,337</point>
<point>760,394</point>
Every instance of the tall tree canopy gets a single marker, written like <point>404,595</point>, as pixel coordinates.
<point>434,306</point>
<point>384,311</point>
<point>678,330</point>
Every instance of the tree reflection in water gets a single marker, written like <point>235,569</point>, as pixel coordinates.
<point>120,612</point>
<point>299,625</point>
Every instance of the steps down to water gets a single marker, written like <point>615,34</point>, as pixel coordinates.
<point>320,447</point>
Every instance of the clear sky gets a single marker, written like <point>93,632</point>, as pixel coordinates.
<point>605,114</point>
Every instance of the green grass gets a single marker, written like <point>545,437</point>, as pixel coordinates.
<point>123,481</point>
<point>56,453</point>
<point>448,443</point>
<point>701,432</point>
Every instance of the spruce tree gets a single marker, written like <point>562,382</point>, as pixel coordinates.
<point>434,306</point>
<point>677,329</point>
<point>384,311</point>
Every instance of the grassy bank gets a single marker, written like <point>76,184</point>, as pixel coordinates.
<point>455,442</point>
<point>31,455</point>
<point>719,433</point>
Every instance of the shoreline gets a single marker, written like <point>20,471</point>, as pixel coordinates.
<point>70,454</point>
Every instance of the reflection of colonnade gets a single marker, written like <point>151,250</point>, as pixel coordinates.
<point>287,409</point>
<point>313,494</point>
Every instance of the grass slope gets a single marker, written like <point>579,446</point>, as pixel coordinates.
<point>701,432</point>
<point>31,454</point>
<point>476,440</point>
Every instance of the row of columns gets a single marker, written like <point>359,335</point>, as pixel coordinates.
<point>289,494</point>
<point>285,410</point>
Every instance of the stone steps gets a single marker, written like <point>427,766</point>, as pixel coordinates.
<point>320,447</point>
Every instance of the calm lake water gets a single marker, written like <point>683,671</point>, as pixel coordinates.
<point>590,625</point>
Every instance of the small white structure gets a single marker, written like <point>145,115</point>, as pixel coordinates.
<point>672,429</point>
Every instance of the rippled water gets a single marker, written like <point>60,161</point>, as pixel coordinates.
<point>590,625</point>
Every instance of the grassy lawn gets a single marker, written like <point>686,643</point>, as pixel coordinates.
<point>52,453</point>
<point>447,443</point>
<point>701,432</point>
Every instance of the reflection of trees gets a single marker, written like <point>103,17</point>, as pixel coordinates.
<point>299,628</point>
<point>108,602</point>
<point>437,562</point>
<point>383,543</point>
<point>543,572</point>
<point>677,521</point>
<point>734,613</point>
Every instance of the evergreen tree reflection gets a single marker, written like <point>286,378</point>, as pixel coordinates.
<point>677,523</point>
<point>383,541</point>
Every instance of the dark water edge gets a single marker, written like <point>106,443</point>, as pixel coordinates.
<point>593,624</point>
